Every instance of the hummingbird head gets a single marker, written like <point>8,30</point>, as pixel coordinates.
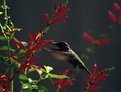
<point>63,46</point>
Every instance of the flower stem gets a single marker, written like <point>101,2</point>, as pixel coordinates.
<point>12,82</point>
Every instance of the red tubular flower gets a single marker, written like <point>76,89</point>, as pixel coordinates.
<point>88,37</point>
<point>46,18</point>
<point>63,83</point>
<point>61,11</point>
<point>103,42</point>
<point>95,69</point>
<point>5,82</point>
<point>12,31</point>
<point>13,57</point>
<point>100,77</point>
<point>58,20</point>
<point>93,88</point>
<point>33,39</point>
<point>27,64</point>
<point>119,20</point>
<point>112,16</point>
<point>117,7</point>
<point>19,44</point>
<point>37,67</point>
<point>95,42</point>
<point>95,77</point>
<point>36,47</point>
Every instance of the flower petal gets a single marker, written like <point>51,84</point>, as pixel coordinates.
<point>19,44</point>
<point>103,42</point>
<point>88,37</point>
<point>38,46</point>
<point>58,20</point>
<point>119,20</point>
<point>97,88</point>
<point>117,7</point>
<point>112,17</point>
<point>101,76</point>
<point>61,11</point>
<point>46,18</point>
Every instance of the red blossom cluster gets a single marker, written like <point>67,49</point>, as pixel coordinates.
<point>95,77</point>
<point>5,80</point>
<point>113,17</point>
<point>60,15</point>
<point>61,83</point>
<point>35,44</point>
<point>95,42</point>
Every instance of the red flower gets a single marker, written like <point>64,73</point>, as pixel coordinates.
<point>37,67</point>
<point>117,7</point>
<point>95,77</point>
<point>119,20</point>
<point>58,20</point>
<point>61,11</point>
<point>95,42</point>
<point>13,57</point>
<point>97,88</point>
<point>88,37</point>
<point>36,47</point>
<point>12,31</point>
<point>46,18</point>
<point>5,82</point>
<point>27,64</point>
<point>33,39</point>
<point>103,42</point>
<point>19,44</point>
<point>61,83</point>
<point>112,16</point>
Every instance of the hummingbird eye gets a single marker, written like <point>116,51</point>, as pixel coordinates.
<point>63,46</point>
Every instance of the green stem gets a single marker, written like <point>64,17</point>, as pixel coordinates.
<point>58,89</point>
<point>12,70</point>
<point>12,82</point>
<point>6,12</point>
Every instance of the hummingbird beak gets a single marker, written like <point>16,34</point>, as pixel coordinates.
<point>54,42</point>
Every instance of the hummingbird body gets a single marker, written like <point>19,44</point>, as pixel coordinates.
<point>65,53</point>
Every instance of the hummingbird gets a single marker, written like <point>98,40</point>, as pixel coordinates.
<point>63,52</point>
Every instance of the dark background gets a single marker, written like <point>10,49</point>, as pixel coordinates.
<point>85,15</point>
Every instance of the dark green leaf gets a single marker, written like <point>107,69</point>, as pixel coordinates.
<point>42,89</point>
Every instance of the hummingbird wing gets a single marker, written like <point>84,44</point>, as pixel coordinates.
<point>69,56</point>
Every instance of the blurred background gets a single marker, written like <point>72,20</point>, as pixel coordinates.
<point>85,16</point>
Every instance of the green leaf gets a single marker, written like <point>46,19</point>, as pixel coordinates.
<point>2,58</point>
<point>22,51</point>
<point>6,48</point>
<point>2,38</point>
<point>48,69</point>
<point>57,76</point>
<point>23,78</point>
